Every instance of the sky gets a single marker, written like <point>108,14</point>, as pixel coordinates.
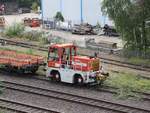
<point>71,10</point>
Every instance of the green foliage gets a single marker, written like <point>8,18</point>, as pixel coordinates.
<point>59,16</point>
<point>27,3</point>
<point>44,38</point>
<point>127,84</point>
<point>130,18</point>
<point>98,25</point>
<point>57,40</point>
<point>14,30</point>
<point>29,51</point>
<point>139,61</point>
<point>18,31</point>
<point>34,6</point>
<point>32,35</point>
<point>41,37</point>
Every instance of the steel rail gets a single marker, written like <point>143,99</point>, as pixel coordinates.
<point>19,107</point>
<point>98,103</point>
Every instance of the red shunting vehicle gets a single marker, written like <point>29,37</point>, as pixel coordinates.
<point>64,65</point>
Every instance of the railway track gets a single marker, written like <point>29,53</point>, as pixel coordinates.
<point>105,60</point>
<point>18,107</point>
<point>97,103</point>
<point>108,89</point>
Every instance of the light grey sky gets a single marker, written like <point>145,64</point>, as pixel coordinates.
<point>71,10</point>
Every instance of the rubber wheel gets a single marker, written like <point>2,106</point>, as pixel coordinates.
<point>56,77</point>
<point>79,80</point>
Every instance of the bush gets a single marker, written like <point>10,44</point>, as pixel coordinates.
<point>32,35</point>
<point>14,30</point>
<point>41,37</point>
<point>59,17</point>
<point>34,6</point>
<point>57,40</point>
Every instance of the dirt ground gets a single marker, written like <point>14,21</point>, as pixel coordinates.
<point>80,39</point>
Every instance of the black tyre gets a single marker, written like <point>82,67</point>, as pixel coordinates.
<point>55,77</point>
<point>78,80</point>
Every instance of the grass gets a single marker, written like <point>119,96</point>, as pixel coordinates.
<point>128,84</point>
<point>14,30</point>
<point>3,111</point>
<point>139,61</point>
<point>17,30</point>
<point>29,51</point>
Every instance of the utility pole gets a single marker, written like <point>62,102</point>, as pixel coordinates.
<point>81,10</point>
<point>61,6</point>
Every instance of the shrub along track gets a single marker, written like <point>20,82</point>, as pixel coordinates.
<point>84,52</point>
<point>97,103</point>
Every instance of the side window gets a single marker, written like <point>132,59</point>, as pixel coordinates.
<point>73,52</point>
<point>53,54</point>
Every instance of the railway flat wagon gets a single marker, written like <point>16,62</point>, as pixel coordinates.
<point>20,62</point>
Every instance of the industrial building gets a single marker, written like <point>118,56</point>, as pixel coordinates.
<point>76,11</point>
<point>9,6</point>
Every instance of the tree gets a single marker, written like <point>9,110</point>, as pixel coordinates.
<point>34,6</point>
<point>130,18</point>
<point>27,3</point>
<point>59,16</point>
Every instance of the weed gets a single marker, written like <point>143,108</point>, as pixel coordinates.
<point>139,61</point>
<point>14,30</point>
<point>57,40</point>
<point>128,84</point>
<point>29,51</point>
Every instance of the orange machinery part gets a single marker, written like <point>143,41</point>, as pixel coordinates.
<point>14,58</point>
<point>85,63</point>
<point>32,22</point>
